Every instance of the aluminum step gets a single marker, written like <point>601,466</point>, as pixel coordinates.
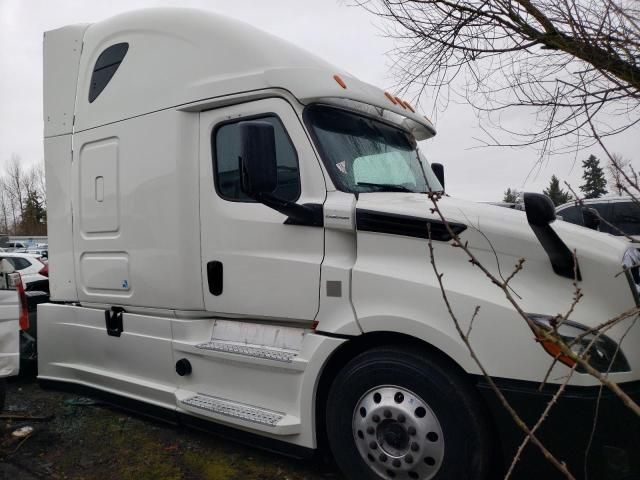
<point>255,351</point>
<point>234,409</point>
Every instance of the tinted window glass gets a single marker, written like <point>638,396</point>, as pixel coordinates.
<point>626,216</point>
<point>603,208</point>
<point>21,263</point>
<point>105,67</point>
<point>572,215</point>
<point>226,148</point>
<point>18,263</point>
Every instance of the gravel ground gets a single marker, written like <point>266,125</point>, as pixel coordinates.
<point>95,441</point>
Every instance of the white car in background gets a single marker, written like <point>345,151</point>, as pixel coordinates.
<point>32,268</point>
<point>17,246</point>
<point>41,251</point>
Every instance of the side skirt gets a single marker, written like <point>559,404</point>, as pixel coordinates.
<point>178,418</point>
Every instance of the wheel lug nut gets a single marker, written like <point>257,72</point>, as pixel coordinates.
<point>408,458</point>
<point>370,430</point>
<point>411,430</point>
<point>396,463</point>
<point>402,418</point>
<point>415,447</point>
<point>382,457</point>
<point>387,414</point>
<point>373,445</point>
<point>375,418</point>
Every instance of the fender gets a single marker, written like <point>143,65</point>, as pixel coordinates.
<point>453,347</point>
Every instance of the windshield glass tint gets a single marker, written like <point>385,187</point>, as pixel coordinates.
<point>366,155</point>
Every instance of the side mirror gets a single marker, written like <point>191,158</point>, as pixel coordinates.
<point>539,208</point>
<point>438,171</point>
<point>258,167</point>
<point>591,218</point>
<point>541,212</point>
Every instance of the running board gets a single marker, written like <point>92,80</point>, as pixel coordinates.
<point>255,417</point>
<point>245,353</point>
<point>266,353</point>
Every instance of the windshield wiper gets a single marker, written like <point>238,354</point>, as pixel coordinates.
<point>387,187</point>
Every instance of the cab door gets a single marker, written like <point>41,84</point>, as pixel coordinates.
<point>254,265</point>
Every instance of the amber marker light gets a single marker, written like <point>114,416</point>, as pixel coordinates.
<point>339,81</point>
<point>400,102</point>
<point>555,351</point>
<point>408,105</point>
<point>390,97</point>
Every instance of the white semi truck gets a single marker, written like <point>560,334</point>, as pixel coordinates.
<point>238,241</point>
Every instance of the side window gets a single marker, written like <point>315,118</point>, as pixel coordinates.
<point>603,208</point>
<point>572,215</point>
<point>105,68</point>
<point>21,263</point>
<point>626,216</point>
<point>226,152</point>
<point>18,263</point>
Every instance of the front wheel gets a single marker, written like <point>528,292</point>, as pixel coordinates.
<point>398,413</point>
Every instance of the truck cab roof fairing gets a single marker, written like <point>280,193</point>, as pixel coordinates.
<point>178,56</point>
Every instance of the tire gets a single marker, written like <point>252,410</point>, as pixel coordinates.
<point>401,413</point>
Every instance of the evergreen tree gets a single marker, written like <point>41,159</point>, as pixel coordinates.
<point>34,217</point>
<point>594,180</point>
<point>511,196</point>
<point>555,193</point>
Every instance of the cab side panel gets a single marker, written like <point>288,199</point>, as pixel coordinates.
<point>137,212</point>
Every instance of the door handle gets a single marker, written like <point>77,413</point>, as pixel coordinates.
<point>214,277</point>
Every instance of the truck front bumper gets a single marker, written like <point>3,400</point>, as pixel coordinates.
<point>589,429</point>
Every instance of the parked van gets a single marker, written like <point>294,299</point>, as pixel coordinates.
<point>238,241</point>
<point>614,215</point>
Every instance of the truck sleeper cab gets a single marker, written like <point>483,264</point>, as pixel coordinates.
<point>237,238</point>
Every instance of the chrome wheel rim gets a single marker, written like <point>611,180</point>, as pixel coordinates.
<point>397,434</point>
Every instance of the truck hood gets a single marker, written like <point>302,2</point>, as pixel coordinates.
<point>499,229</point>
<point>393,280</point>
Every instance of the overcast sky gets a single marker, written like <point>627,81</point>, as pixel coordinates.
<point>345,36</point>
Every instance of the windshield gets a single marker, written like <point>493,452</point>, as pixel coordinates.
<point>366,155</point>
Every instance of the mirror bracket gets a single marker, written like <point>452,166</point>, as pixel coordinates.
<point>309,214</point>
